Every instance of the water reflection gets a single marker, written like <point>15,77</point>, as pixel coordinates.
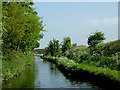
<point>73,82</point>
<point>50,77</point>
<point>24,80</point>
<point>44,75</point>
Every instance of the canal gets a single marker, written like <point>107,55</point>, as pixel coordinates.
<point>43,74</point>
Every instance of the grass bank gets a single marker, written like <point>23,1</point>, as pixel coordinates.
<point>105,55</point>
<point>15,64</point>
<point>104,77</point>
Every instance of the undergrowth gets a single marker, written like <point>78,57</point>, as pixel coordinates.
<point>14,63</point>
<point>104,55</point>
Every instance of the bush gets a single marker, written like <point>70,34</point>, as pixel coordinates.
<point>95,39</point>
<point>72,66</point>
<point>16,64</point>
<point>103,55</point>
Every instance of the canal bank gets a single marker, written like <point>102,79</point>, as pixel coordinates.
<point>45,74</point>
<point>15,64</point>
<point>102,77</point>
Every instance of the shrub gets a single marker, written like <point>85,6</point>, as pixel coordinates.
<point>96,38</point>
<point>15,65</point>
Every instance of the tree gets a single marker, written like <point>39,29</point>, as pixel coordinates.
<point>21,27</point>
<point>74,44</point>
<point>96,38</point>
<point>50,48</point>
<point>33,28</point>
<point>54,47</point>
<point>13,26</point>
<point>66,44</point>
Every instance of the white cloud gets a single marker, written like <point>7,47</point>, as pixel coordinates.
<point>105,21</point>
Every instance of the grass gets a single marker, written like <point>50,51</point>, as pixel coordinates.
<point>99,64</point>
<point>72,67</point>
<point>16,63</point>
<point>103,55</point>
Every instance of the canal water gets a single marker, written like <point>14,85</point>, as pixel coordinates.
<point>43,74</point>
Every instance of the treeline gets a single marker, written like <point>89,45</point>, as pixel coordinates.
<point>21,31</point>
<point>58,49</point>
<point>96,54</point>
<point>21,27</point>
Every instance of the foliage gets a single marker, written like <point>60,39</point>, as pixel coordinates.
<point>103,55</point>
<point>54,47</point>
<point>14,30</point>
<point>96,38</point>
<point>21,31</point>
<point>72,66</point>
<point>66,44</point>
<point>16,64</point>
<point>21,27</point>
<point>74,44</point>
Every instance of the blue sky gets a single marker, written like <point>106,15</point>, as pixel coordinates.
<point>78,20</point>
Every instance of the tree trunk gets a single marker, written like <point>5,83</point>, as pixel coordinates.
<point>18,46</point>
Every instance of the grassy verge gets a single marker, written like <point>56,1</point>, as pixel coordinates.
<point>15,65</point>
<point>103,55</point>
<point>97,74</point>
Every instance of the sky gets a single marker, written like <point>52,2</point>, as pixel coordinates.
<point>77,20</point>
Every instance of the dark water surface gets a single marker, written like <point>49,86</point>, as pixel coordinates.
<point>44,74</point>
